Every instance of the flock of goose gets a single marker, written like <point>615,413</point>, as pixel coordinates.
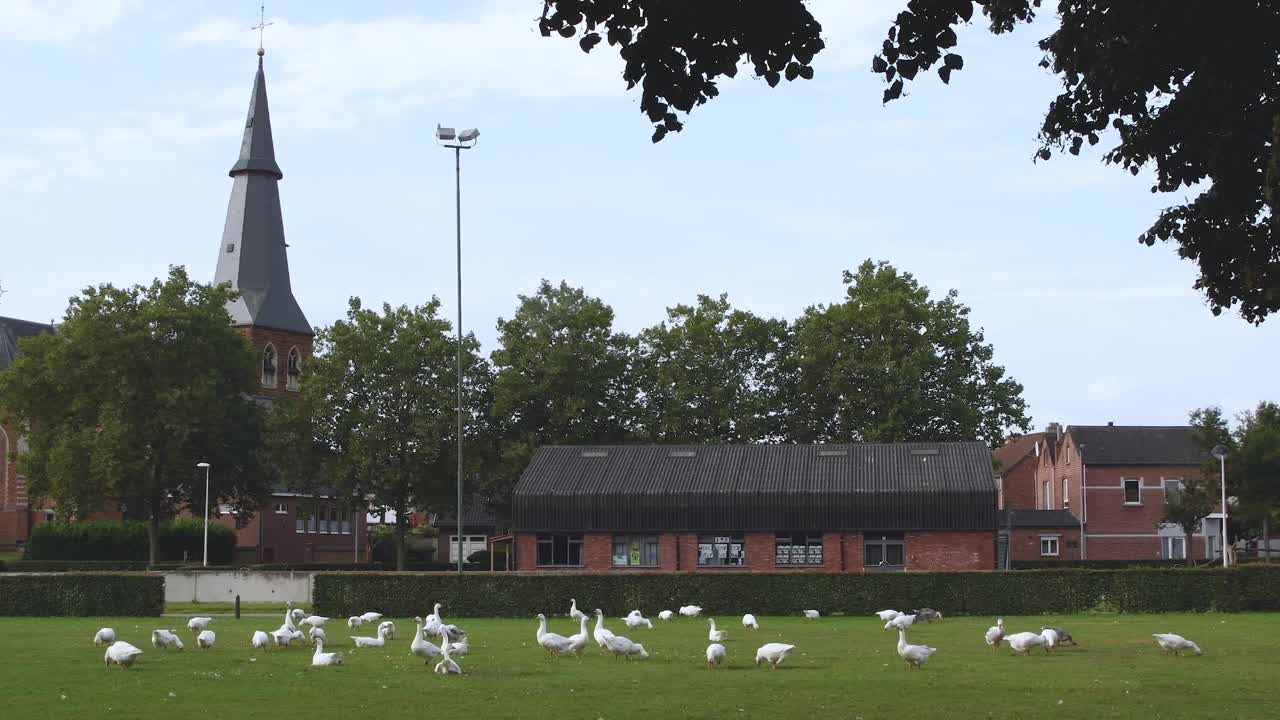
<point>454,644</point>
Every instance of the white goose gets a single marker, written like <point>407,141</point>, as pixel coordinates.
<point>554,644</point>
<point>902,622</point>
<point>199,624</point>
<point>317,634</point>
<point>435,625</point>
<point>574,612</point>
<point>915,655</point>
<point>446,666</point>
<point>355,621</point>
<point>637,620</point>
<point>372,617</point>
<point>1050,639</point>
<point>297,614</point>
<point>887,615</point>
<point>635,613</point>
<point>665,615</point>
<point>625,647</point>
<point>389,626</point>
<point>105,636</point>
<point>460,648</point>
<point>749,620</point>
<point>165,639</point>
<point>120,653</point>
<point>811,614</point>
<point>715,655</point>
<point>206,639</point>
<point>260,640</point>
<point>1175,643</point>
<point>320,658</point>
<point>364,642</point>
<point>773,653</point>
<point>690,610</point>
<point>1024,642</point>
<point>715,635</point>
<point>420,647</point>
<point>579,640</point>
<point>284,637</point>
<point>995,634</point>
<point>601,634</point>
<point>314,621</point>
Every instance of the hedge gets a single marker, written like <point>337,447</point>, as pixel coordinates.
<point>114,540</point>
<point>90,594</point>
<point>1253,588</point>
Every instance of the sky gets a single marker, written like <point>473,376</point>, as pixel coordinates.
<point>126,115</point>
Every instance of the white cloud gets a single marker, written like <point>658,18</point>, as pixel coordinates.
<point>60,21</point>
<point>1106,389</point>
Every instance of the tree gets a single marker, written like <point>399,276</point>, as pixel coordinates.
<point>1191,88</point>
<point>710,374</point>
<point>675,51</point>
<point>891,365</point>
<point>1200,496</point>
<point>136,387</point>
<point>380,404</point>
<point>562,375</point>
<point>1256,482</point>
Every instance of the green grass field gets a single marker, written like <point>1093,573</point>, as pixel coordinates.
<point>843,667</point>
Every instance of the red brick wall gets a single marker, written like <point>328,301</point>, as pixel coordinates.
<point>282,341</point>
<point>1024,544</point>
<point>1018,484</point>
<point>950,551</point>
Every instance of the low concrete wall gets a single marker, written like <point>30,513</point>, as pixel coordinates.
<point>251,586</point>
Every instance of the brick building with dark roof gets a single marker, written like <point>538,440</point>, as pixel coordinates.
<point>837,508</point>
<point>17,513</point>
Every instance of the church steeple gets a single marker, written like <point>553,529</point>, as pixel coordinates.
<point>252,256</point>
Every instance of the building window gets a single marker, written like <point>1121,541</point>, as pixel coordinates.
<point>797,549</point>
<point>345,525</point>
<point>560,550</point>
<point>722,551</point>
<point>1068,453</point>
<point>635,550</point>
<point>1049,545</point>
<point>1172,488</point>
<point>1047,489</point>
<point>269,366</point>
<point>293,377</point>
<point>1066,495</point>
<point>471,544</point>
<point>1132,491</point>
<point>1173,548</point>
<point>282,508</point>
<point>300,521</point>
<point>884,551</point>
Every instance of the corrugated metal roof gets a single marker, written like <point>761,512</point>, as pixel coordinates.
<point>902,486</point>
<point>1039,519</point>
<point>11,331</point>
<point>1137,445</point>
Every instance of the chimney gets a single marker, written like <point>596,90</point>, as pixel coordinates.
<point>1111,423</point>
<point>1055,430</point>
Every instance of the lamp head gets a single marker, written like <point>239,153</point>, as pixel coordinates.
<point>202,465</point>
<point>468,135</point>
<point>1219,451</point>
<point>444,133</point>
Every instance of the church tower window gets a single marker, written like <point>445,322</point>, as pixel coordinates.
<point>269,366</point>
<point>293,380</point>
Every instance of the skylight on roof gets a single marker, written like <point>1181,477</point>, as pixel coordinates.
<point>683,453</point>
<point>833,453</point>
<point>924,451</point>
<point>595,453</point>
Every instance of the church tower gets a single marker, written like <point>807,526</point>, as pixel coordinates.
<point>254,259</point>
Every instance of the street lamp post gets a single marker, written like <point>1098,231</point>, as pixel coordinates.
<point>458,142</point>
<point>1220,452</point>
<point>205,465</point>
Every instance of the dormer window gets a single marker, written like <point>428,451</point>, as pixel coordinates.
<point>269,366</point>
<point>293,380</point>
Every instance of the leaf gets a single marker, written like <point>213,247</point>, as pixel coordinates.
<point>1093,138</point>
<point>878,65</point>
<point>806,72</point>
<point>792,71</point>
<point>772,77</point>
<point>965,10</point>
<point>1044,153</point>
<point>894,91</point>
<point>908,69</point>
<point>589,41</point>
<point>944,72</point>
<point>619,36</point>
<point>567,31</point>
<point>953,61</point>
<point>946,38</point>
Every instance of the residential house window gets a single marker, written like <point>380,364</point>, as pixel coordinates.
<point>1172,488</point>
<point>282,508</point>
<point>1066,495</point>
<point>1049,545</point>
<point>470,544</point>
<point>728,550</point>
<point>884,551</point>
<point>1173,548</point>
<point>269,366</point>
<point>300,521</point>
<point>1067,461</point>
<point>797,549</point>
<point>1047,489</point>
<point>1132,491</point>
<point>560,550</point>
<point>293,374</point>
<point>635,550</point>
<point>345,525</point>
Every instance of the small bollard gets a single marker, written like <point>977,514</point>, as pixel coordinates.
<point>237,607</point>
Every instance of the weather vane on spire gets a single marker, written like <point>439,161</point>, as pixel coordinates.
<point>261,26</point>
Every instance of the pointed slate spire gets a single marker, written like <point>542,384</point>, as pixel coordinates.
<point>253,256</point>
